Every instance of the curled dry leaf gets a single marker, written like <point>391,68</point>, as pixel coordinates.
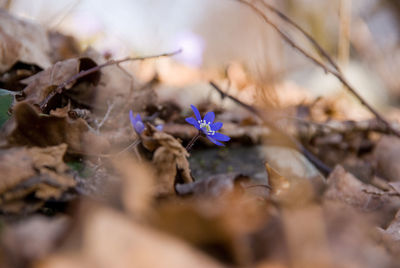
<point>344,187</point>
<point>28,127</point>
<point>22,41</point>
<point>35,173</point>
<point>109,239</point>
<point>169,158</point>
<point>40,85</point>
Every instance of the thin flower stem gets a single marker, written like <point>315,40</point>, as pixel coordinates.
<point>191,143</point>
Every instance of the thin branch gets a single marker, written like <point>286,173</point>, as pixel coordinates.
<point>336,72</point>
<point>97,68</point>
<point>319,49</point>
<point>226,95</point>
<point>341,127</point>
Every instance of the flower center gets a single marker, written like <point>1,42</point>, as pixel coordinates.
<point>205,126</point>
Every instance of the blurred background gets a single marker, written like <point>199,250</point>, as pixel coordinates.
<point>362,34</point>
<point>226,42</point>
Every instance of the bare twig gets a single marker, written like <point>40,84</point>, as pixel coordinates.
<point>312,158</point>
<point>97,68</point>
<point>341,127</point>
<point>336,71</point>
<point>319,49</point>
<point>226,95</point>
<point>106,116</point>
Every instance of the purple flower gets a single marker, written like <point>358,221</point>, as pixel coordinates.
<point>207,126</point>
<point>138,124</point>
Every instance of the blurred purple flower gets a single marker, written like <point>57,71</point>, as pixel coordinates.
<point>192,46</point>
<point>207,126</point>
<point>138,124</point>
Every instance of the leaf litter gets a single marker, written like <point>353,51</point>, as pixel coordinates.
<point>81,187</point>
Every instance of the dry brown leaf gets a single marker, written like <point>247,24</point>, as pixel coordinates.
<point>169,159</point>
<point>118,87</point>
<point>28,127</point>
<point>222,223</point>
<point>332,235</point>
<point>213,186</point>
<point>41,84</point>
<point>109,239</point>
<point>31,239</point>
<point>63,46</point>
<point>387,153</point>
<point>22,41</point>
<point>306,237</point>
<point>137,185</point>
<point>344,187</point>
<point>391,235</point>
<point>37,171</point>
<point>290,191</point>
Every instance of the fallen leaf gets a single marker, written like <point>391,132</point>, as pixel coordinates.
<point>391,235</point>
<point>40,85</point>
<point>306,237</point>
<point>169,158</point>
<point>344,187</point>
<point>290,191</point>
<point>36,172</point>
<point>387,152</point>
<point>109,239</point>
<point>213,186</point>
<point>62,46</point>
<point>22,41</point>
<point>137,190</point>
<point>221,225</point>
<point>29,127</point>
<point>32,239</point>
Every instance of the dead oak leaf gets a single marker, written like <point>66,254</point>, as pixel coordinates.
<point>31,239</point>
<point>28,127</point>
<point>22,41</point>
<point>37,171</point>
<point>213,186</point>
<point>40,85</point>
<point>169,158</point>
<point>110,239</point>
<point>387,153</point>
<point>344,187</point>
<point>290,191</point>
<point>391,235</point>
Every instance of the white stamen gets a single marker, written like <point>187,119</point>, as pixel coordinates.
<point>206,126</point>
